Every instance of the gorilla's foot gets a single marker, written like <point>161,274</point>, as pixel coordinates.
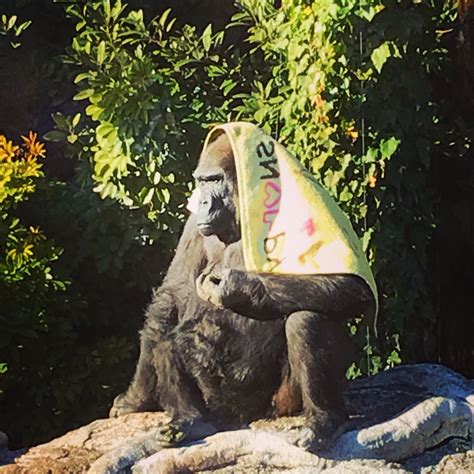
<point>195,429</point>
<point>170,435</point>
<point>302,431</point>
<point>310,433</point>
<point>318,434</point>
<point>123,405</point>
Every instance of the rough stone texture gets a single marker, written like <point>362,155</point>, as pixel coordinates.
<point>77,450</point>
<point>415,418</point>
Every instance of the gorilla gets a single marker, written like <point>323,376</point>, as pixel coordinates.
<point>223,345</point>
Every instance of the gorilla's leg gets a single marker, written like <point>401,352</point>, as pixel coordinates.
<point>141,393</point>
<point>177,393</point>
<point>318,355</point>
<point>160,382</point>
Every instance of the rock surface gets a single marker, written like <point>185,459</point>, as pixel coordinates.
<point>416,418</point>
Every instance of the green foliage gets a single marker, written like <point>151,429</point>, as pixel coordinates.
<point>149,93</point>
<point>348,90</point>
<point>27,283</point>
<point>345,86</point>
<point>57,349</point>
<point>11,29</point>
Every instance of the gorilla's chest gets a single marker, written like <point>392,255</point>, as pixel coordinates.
<point>219,341</point>
<point>223,327</point>
<point>222,342</point>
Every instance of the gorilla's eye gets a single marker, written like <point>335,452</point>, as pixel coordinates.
<point>211,178</point>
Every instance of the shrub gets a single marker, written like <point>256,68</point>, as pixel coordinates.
<point>60,361</point>
<point>347,87</point>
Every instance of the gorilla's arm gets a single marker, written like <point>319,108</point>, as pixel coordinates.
<point>162,316</point>
<point>266,296</point>
<point>170,298</point>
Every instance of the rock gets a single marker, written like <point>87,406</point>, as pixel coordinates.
<point>416,418</point>
<point>462,462</point>
<point>77,450</point>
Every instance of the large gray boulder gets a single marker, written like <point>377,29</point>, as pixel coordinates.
<point>414,418</point>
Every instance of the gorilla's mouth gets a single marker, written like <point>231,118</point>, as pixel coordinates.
<point>205,228</point>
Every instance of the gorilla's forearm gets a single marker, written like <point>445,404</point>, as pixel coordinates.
<point>269,296</point>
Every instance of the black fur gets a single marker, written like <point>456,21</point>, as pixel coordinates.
<point>222,344</point>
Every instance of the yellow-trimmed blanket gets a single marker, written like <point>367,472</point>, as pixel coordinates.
<point>289,223</point>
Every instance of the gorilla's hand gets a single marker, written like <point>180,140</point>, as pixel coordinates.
<point>208,287</point>
<point>228,288</point>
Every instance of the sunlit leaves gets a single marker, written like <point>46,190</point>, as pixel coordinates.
<point>381,54</point>
<point>9,27</point>
<point>347,91</point>
<point>20,165</point>
<point>207,37</point>
<point>345,87</point>
<point>101,53</point>
<point>388,147</point>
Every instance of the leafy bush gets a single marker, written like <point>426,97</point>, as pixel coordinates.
<point>57,349</point>
<point>347,87</point>
<point>11,29</point>
<point>150,94</point>
<point>70,310</point>
<point>27,283</point>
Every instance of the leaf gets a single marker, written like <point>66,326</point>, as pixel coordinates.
<point>81,77</point>
<point>170,25</point>
<point>366,238</point>
<point>116,10</point>
<point>156,178</point>
<point>164,17</point>
<point>380,55</point>
<point>345,195</point>
<point>22,27</point>
<point>103,130</point>
<point>75,120</point>
<point>389,147</point>
<point>147,196</point>
<point>101,53</point>
<point>80,25</point>
<point>393,359</point>
<point>207,37</point>
<point>60,120</point>
<point>94,111</point>
<point>55,136</point>
<point>84,94</point>
<point>11,22</point>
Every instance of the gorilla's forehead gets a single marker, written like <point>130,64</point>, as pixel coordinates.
<point>217,157</point>
<point>208,172</point>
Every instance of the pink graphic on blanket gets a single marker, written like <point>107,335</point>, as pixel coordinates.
<point>269,216</point>
<point>271,202</point>
<point>272,194</point>
<point>270,175</point>
<point>309,227</point>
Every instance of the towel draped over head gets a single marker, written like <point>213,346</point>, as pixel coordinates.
<point>289,223</point>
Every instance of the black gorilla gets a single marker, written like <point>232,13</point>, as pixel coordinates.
<point>223,344</point>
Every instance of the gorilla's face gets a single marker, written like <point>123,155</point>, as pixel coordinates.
<point>217,211</point>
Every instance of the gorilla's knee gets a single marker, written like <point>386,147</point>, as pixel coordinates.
<point>302,324</point>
